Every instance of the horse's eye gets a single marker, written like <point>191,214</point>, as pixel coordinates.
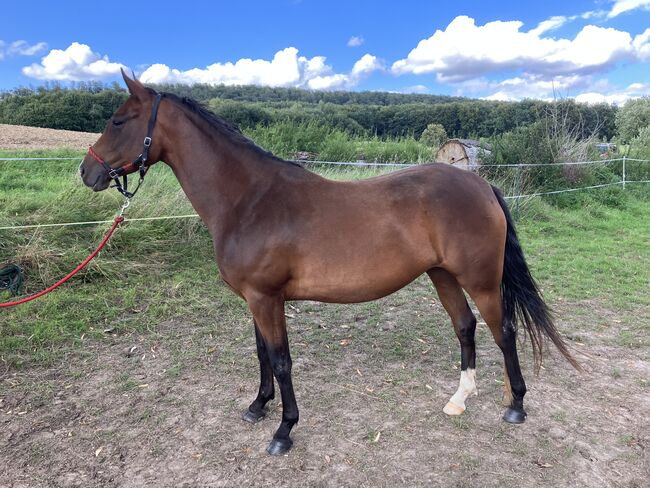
<point>118,122</point>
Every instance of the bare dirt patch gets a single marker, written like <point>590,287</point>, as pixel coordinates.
<point>163,408</point>
<point>22,137</point>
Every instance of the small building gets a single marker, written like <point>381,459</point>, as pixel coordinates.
<point>606,149</point>
<point>464,153</point>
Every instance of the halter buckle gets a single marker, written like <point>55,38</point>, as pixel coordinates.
<point>147,141</point>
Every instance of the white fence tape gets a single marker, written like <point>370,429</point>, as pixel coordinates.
<point>42,159</point>
<point>70,224</point>
<point>567,190</point>
<point>623,182</point>
<point>518,165</point>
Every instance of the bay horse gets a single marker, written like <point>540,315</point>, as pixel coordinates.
<point>282,233</point>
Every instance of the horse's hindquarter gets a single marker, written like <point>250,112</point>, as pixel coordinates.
<point>357,241</point>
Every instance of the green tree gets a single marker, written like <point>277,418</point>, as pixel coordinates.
<point>634,116</point>
<point>640,149</point>
<point>434,135</point>
<point>640,145</point>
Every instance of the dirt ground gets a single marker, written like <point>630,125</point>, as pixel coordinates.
<point>22,137</point>
<point>162,408</point>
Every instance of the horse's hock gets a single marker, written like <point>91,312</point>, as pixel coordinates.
<point>463,153</point>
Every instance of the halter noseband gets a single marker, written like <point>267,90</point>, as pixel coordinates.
<point>138,164</point>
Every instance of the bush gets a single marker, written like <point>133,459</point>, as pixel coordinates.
<point>555,138</point>
<point>434,136</point>
<point>639,149</point>
<point>337,147</point>
<point>285,140</point>
<point>634,116</point>
<point>404,150</point>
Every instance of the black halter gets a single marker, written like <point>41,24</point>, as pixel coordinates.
<point>138,164</point>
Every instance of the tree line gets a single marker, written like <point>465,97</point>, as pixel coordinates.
<point>87,107</point>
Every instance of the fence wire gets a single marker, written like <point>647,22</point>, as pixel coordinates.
<point>522,177</point>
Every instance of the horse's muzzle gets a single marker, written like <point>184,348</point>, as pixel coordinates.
<point>93,177</point>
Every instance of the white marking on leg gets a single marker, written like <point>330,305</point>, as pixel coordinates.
<point>466,387</point>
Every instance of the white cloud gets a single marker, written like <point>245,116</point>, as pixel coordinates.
<point>362,68</point>
<point>464,50</point>
<point>553,23</point>
<point>558,21</point>
<point>641,44</point>
<point>20,48</point>
<point>615,97</point>
<point>367,64</point>
<point>582,88</point>
<point>356,41</point>
<point>623,6</point>
<point>415,89</point>
<point>77,62</point>
<point>286,69</point>
<point>591,14</point>
<point>328,82</point>
<point>593,49</point>
<point>531,86</point>
<point>593,98</point>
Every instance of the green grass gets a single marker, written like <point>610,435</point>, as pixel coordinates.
<point>593,246</point>
<point>591,250</point>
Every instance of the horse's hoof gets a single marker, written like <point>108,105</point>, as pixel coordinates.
<point>278,447</point>
<point>453,409</point>
<point>513,416</point>
<point>252,417</point>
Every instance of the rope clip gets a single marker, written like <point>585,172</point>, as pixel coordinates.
<point>125,205</point>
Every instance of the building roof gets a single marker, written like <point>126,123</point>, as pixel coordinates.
<point>472,143</point>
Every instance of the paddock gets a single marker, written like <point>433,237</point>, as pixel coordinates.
<point>135,385</point>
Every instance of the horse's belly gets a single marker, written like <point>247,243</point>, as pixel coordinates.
<point>350,278</point>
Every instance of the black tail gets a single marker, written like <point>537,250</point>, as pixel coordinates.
<point>522,300</point>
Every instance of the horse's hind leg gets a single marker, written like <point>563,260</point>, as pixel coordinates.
<point>257,410</point>
<point>490,305</point>
<point>453,299</point>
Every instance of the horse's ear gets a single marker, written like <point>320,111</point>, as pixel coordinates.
<point>136,88</point>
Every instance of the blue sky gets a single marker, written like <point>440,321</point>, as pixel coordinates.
<point>593,50</point>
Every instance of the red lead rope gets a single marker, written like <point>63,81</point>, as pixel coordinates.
<point>118,220</point>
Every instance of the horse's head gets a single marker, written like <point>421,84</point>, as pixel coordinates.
<point>123,140</point>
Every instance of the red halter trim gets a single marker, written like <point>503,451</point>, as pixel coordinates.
<point>94,155</point>
<point>125,169</point>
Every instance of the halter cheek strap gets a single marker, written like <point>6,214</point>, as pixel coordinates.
<point>138,164</point>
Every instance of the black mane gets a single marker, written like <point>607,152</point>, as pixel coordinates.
<point>223,126</point>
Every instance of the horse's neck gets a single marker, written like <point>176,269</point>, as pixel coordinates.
<point>216,174</point>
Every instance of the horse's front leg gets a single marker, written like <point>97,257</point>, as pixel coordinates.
<point>268,312</point>
<point>257,410</point>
